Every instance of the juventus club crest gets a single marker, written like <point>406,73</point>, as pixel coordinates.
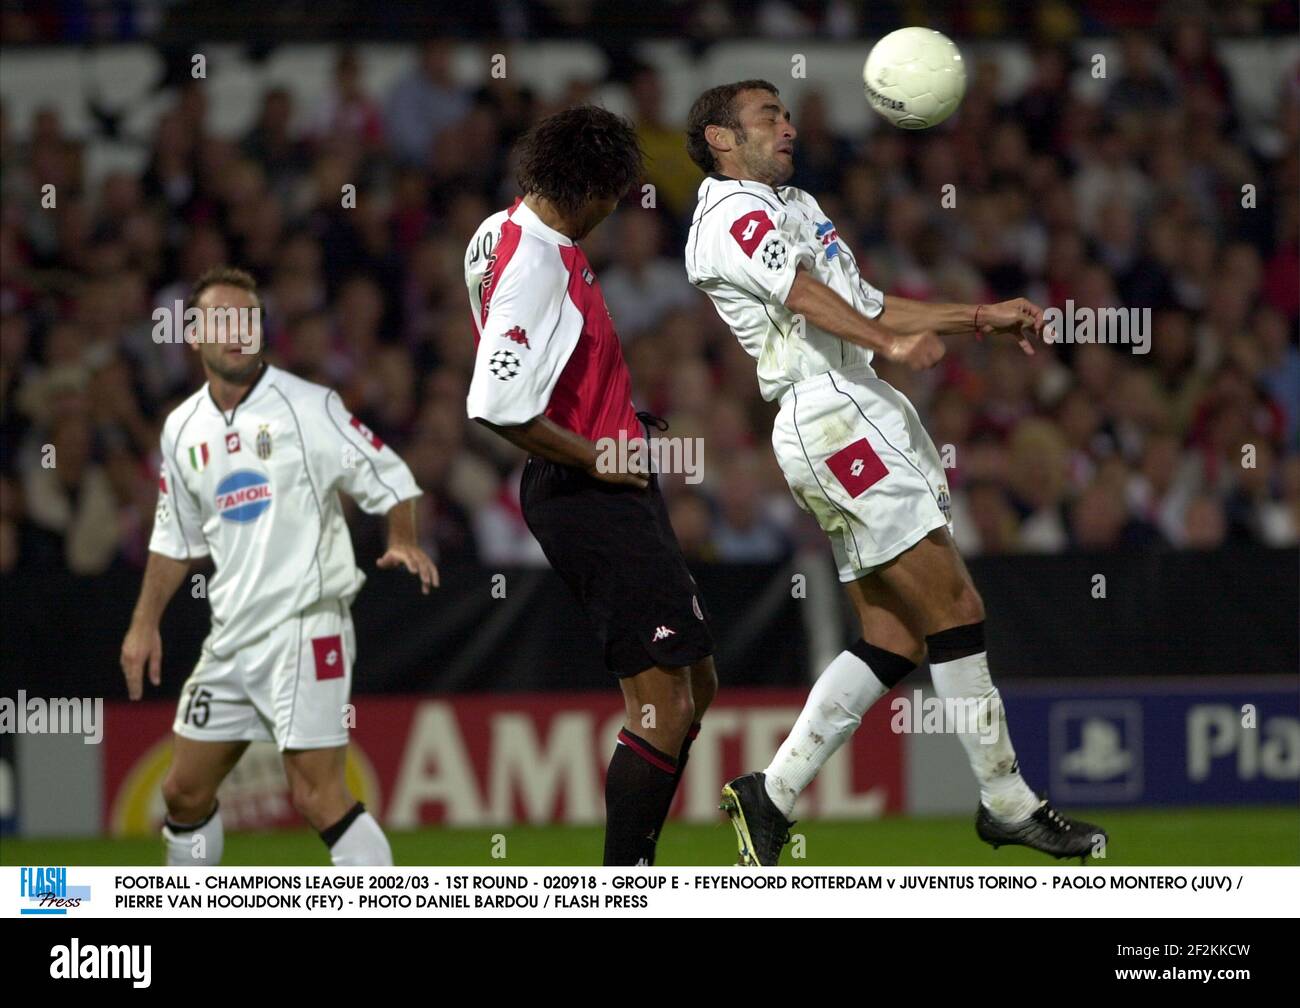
<point>263,442</point>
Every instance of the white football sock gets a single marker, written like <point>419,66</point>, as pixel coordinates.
<point>984,735</point>
<point>362,843</point>
<point>832,712</point>
<point>195,845</point>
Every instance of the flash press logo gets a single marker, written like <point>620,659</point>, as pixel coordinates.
<point>47,892</point>
<point>75,961</point>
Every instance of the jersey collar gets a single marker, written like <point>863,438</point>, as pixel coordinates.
<point>248,394</point>
<point>743,183</point>
<point>523,215</point>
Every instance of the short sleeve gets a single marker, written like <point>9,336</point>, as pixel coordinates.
<point>177,522</point>
<point>361,464</point>
<point>527,338</point>
<point>759,250</point>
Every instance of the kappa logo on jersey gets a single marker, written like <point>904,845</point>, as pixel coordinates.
<point>504,364</point>
<point>199,457</point>
<point>328,652</point>
<point>243,496</point>
<point>662,633</point>
<point>232,442</point>
<point>367,433</point>
<point>830,238</point>
<point>773,254</point>
<point>857,467</point>
<point>749,230</point>
<point>517,335</point>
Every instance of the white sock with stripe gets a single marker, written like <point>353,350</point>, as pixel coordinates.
<point>200,844</point>
<point>357,841</point>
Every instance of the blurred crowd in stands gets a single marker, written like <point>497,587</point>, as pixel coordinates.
<point>1134,201</point>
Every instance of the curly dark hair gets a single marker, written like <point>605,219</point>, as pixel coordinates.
<point>717,107</point>
<point>583,153</point>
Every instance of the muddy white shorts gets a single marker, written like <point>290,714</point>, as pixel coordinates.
<point>291,687</point>
<point>859,461</point>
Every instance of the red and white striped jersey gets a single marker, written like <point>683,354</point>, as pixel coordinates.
<point>545,339</point>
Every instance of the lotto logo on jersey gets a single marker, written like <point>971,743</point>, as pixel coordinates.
<point>857,467</point>
<point>243,496</point>
<point>367,433</point>
<point>749,230</point>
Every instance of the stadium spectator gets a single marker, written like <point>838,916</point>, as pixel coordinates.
<point>1082,446</point>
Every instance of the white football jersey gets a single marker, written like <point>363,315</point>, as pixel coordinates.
<point>745,242</point>
<point>258,489</point>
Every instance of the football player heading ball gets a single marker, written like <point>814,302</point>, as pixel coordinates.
<point>856,457</point>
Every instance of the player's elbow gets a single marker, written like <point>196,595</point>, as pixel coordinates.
<point>797,300</point>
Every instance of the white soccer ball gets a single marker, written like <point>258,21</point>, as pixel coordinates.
<point>915,77</point>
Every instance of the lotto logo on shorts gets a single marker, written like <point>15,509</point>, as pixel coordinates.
<point>857,467</point>
<point>329,656</point>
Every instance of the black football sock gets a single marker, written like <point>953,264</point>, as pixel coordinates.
<point>681,768</point>
<point>682,756</point>
<point>638,790</point>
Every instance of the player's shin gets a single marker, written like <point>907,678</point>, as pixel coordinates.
<point>851,683</point>
<point>356,841</point>
<point>194,844</point>
<point>960,669</point>
<point>639,788</point>
<point>682,755</point>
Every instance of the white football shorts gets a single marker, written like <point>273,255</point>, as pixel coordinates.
<point>290,687</point>
<point>857,458</point>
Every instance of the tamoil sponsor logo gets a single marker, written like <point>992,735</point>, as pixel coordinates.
<point>243,496</point>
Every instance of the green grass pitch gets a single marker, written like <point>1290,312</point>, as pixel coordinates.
<point>1199,836</point>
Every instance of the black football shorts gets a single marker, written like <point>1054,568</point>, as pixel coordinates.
<point>614,547</point>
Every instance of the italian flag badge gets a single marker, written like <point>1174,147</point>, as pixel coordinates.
<point>199,457</point>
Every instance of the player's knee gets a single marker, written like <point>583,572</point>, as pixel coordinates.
<point>187,800</point>
<point>959,605</point>
<point>969,607</point>
<point>704,685</point>
<point>676,710</point>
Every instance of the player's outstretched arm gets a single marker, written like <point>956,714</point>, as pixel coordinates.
<point>403,551</point>
<point>825,309</point>
<point>1019,317</point>
<point>548,440</point>
<point>143,643</point>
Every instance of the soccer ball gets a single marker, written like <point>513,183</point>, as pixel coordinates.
<point>914,77</point>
